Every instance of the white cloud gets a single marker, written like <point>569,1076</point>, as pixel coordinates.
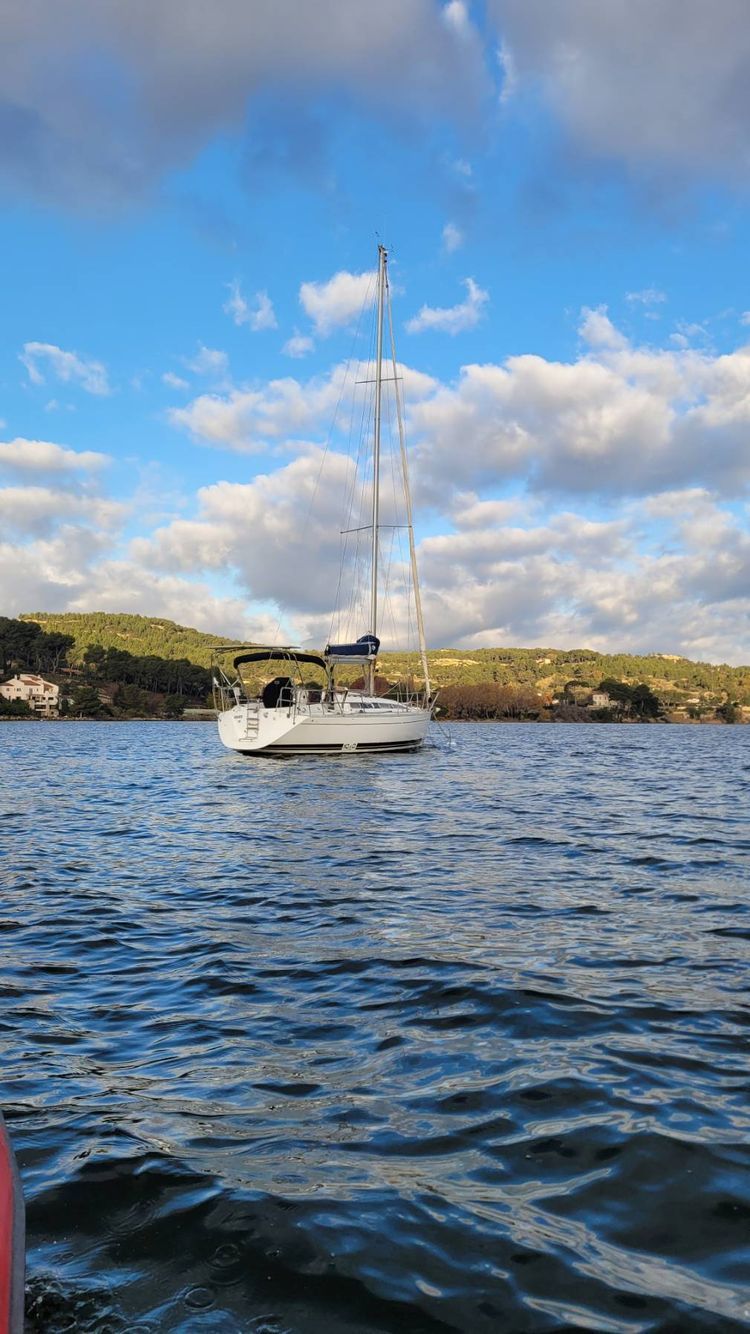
<point>248,419</point>
<point>565,580</point>
<point>265,532</point>
<point>262,314</point>
<point>649,296</point>
<point>54,405</point>
<point>126,585</point>
<point>513,572</point>
<point>71,571</point>
<point>338,301</point>
<point>38,510</point>
<point>453,237</point>
<point>625,529</point>
<point>508,73</point>
<point>285,411</point>
<point>259,314</point>
<point>299,345</point>
<point>456,17</point>
<point>745,317</point>
<point>619,421</point>
<point>236,305</point>
<point>597,329</point>
<point>42,456</point>
<point>688,333</point>
<point>656,86</point>
<point>452,319</point>
<point>208,361</point>
<point>43,359</point>
<point>174,381</point>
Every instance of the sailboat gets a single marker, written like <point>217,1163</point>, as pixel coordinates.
<point>290,715</point>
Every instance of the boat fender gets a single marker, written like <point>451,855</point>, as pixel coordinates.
<point>12,1228</point>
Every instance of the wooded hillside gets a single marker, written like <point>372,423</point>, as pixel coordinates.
<point>548,671</point>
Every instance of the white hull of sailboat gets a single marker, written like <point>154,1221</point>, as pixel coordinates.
<point>371,726</point>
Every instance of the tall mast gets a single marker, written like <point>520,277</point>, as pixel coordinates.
<point>382,261</point>
<point>407,497</point>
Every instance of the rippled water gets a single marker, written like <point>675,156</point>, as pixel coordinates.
<point>455,1040</point>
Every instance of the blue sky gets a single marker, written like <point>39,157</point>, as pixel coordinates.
<point>191,197</point>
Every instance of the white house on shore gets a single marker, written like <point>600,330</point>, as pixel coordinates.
<point>600,700</point>
<point>40,695</point>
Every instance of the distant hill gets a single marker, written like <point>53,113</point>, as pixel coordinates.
<point>676,680</point>
<point>139,635</point>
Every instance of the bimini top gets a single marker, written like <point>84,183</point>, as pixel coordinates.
<point>365,650</point>
<point>280,655</point>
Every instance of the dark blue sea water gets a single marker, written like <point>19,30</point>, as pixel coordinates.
<point>447,1041</point>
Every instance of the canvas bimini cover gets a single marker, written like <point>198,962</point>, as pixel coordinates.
<point>365,650</point>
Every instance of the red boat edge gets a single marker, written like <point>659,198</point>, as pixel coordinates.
<point>12,1231</point>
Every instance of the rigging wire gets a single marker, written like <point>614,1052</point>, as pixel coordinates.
<point>332,423</point>
<point>355,492</point>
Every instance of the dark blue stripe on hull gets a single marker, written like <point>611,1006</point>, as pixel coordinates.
<point>363,748</point>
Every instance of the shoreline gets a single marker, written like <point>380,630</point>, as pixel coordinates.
<point>441,722</point>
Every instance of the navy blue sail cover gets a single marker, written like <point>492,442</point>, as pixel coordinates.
<point>365,649</point>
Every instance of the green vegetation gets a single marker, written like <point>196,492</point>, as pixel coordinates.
<point>169,676</point>
<point>141,636</point>
<point>15,708</point>
<point>170,662</point>
<point>86,702</point>
<point>97,681</point>
<point>24,644</point>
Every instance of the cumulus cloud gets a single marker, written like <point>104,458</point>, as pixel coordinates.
<point>248,419</point>
<point>265,531</point>
<point>38,510</point>
<point>208,361</point>
<point>60,543</point>
<point>259,314</point>
<point>597,329</point>
<point>337,302</point>
<point>625,526</point>
<point>620,420</point>
<point>174,381</point>
<point>126,585</point>
<point>666,572</point>
<point>42,456</point>
<point>662,85</point>
<point>285,410</point>
<point>140,88</point>
<point>452,319</point>
<point>70,571</point>
<point>45,359</point>
<point>299,345</point>
<point>535,578</point>
<point>513,571</point>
